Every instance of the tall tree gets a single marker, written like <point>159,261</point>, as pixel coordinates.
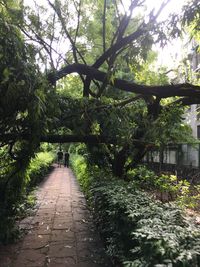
<point>103,46</point>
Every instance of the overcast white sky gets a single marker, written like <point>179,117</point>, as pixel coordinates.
<point>173,5</point>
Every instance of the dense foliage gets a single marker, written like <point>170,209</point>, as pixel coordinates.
<point>23,111</point>
<point>166,187</point>
<point>84,71</point>
<point>16,205</point>
<point>138,230</point>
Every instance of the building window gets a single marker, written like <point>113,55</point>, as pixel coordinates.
<point>198,131</point>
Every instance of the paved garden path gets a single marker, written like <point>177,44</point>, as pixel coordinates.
<point>61,233</point>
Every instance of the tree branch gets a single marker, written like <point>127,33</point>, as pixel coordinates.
<point>143,28</point>
<point>89,139</point>
<point>104,26</point>
<point>162,91</point>
<point>123,41</point>
<point>187,101</point>
<point>74,48</point>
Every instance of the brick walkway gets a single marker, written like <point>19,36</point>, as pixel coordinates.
<point>61,233</point>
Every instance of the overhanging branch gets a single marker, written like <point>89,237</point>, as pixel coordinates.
<point>89,139</point>
<point>162,91</point>
<point>55,138</point>
<point>187,101</point>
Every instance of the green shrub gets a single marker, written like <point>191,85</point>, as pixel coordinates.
<point>138,230</point>
<point>80,168</point>
<point>142,231</point>
<point>166,186</point>
<point>38,167</point>
<point>10,212</point>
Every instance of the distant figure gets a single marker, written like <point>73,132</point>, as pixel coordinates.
<point>66,159</point>
<point>59,158</point>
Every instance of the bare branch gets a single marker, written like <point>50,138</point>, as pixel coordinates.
<point>74,47</point>
<point>42,42</point>
<point>163,5</point>
<point>104,26</point>
<point>78,9</point>
<point>119,104</point>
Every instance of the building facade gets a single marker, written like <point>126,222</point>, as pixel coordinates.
<point>185,154</point>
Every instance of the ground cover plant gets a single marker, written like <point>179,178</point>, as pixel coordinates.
<point>137,229</point>
<point>166,186</point>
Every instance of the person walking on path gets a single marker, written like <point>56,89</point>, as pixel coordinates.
<point>59,158</point>
<point>66,159</point>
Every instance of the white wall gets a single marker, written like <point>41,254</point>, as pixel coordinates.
<point>191,119</point>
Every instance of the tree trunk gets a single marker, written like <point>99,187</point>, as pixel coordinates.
<point>140,152</point>
<point>161,157</point>
<point>118,166</point>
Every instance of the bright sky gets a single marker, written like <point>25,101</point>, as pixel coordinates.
<point>172,6</point>
<point>170,55</point>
